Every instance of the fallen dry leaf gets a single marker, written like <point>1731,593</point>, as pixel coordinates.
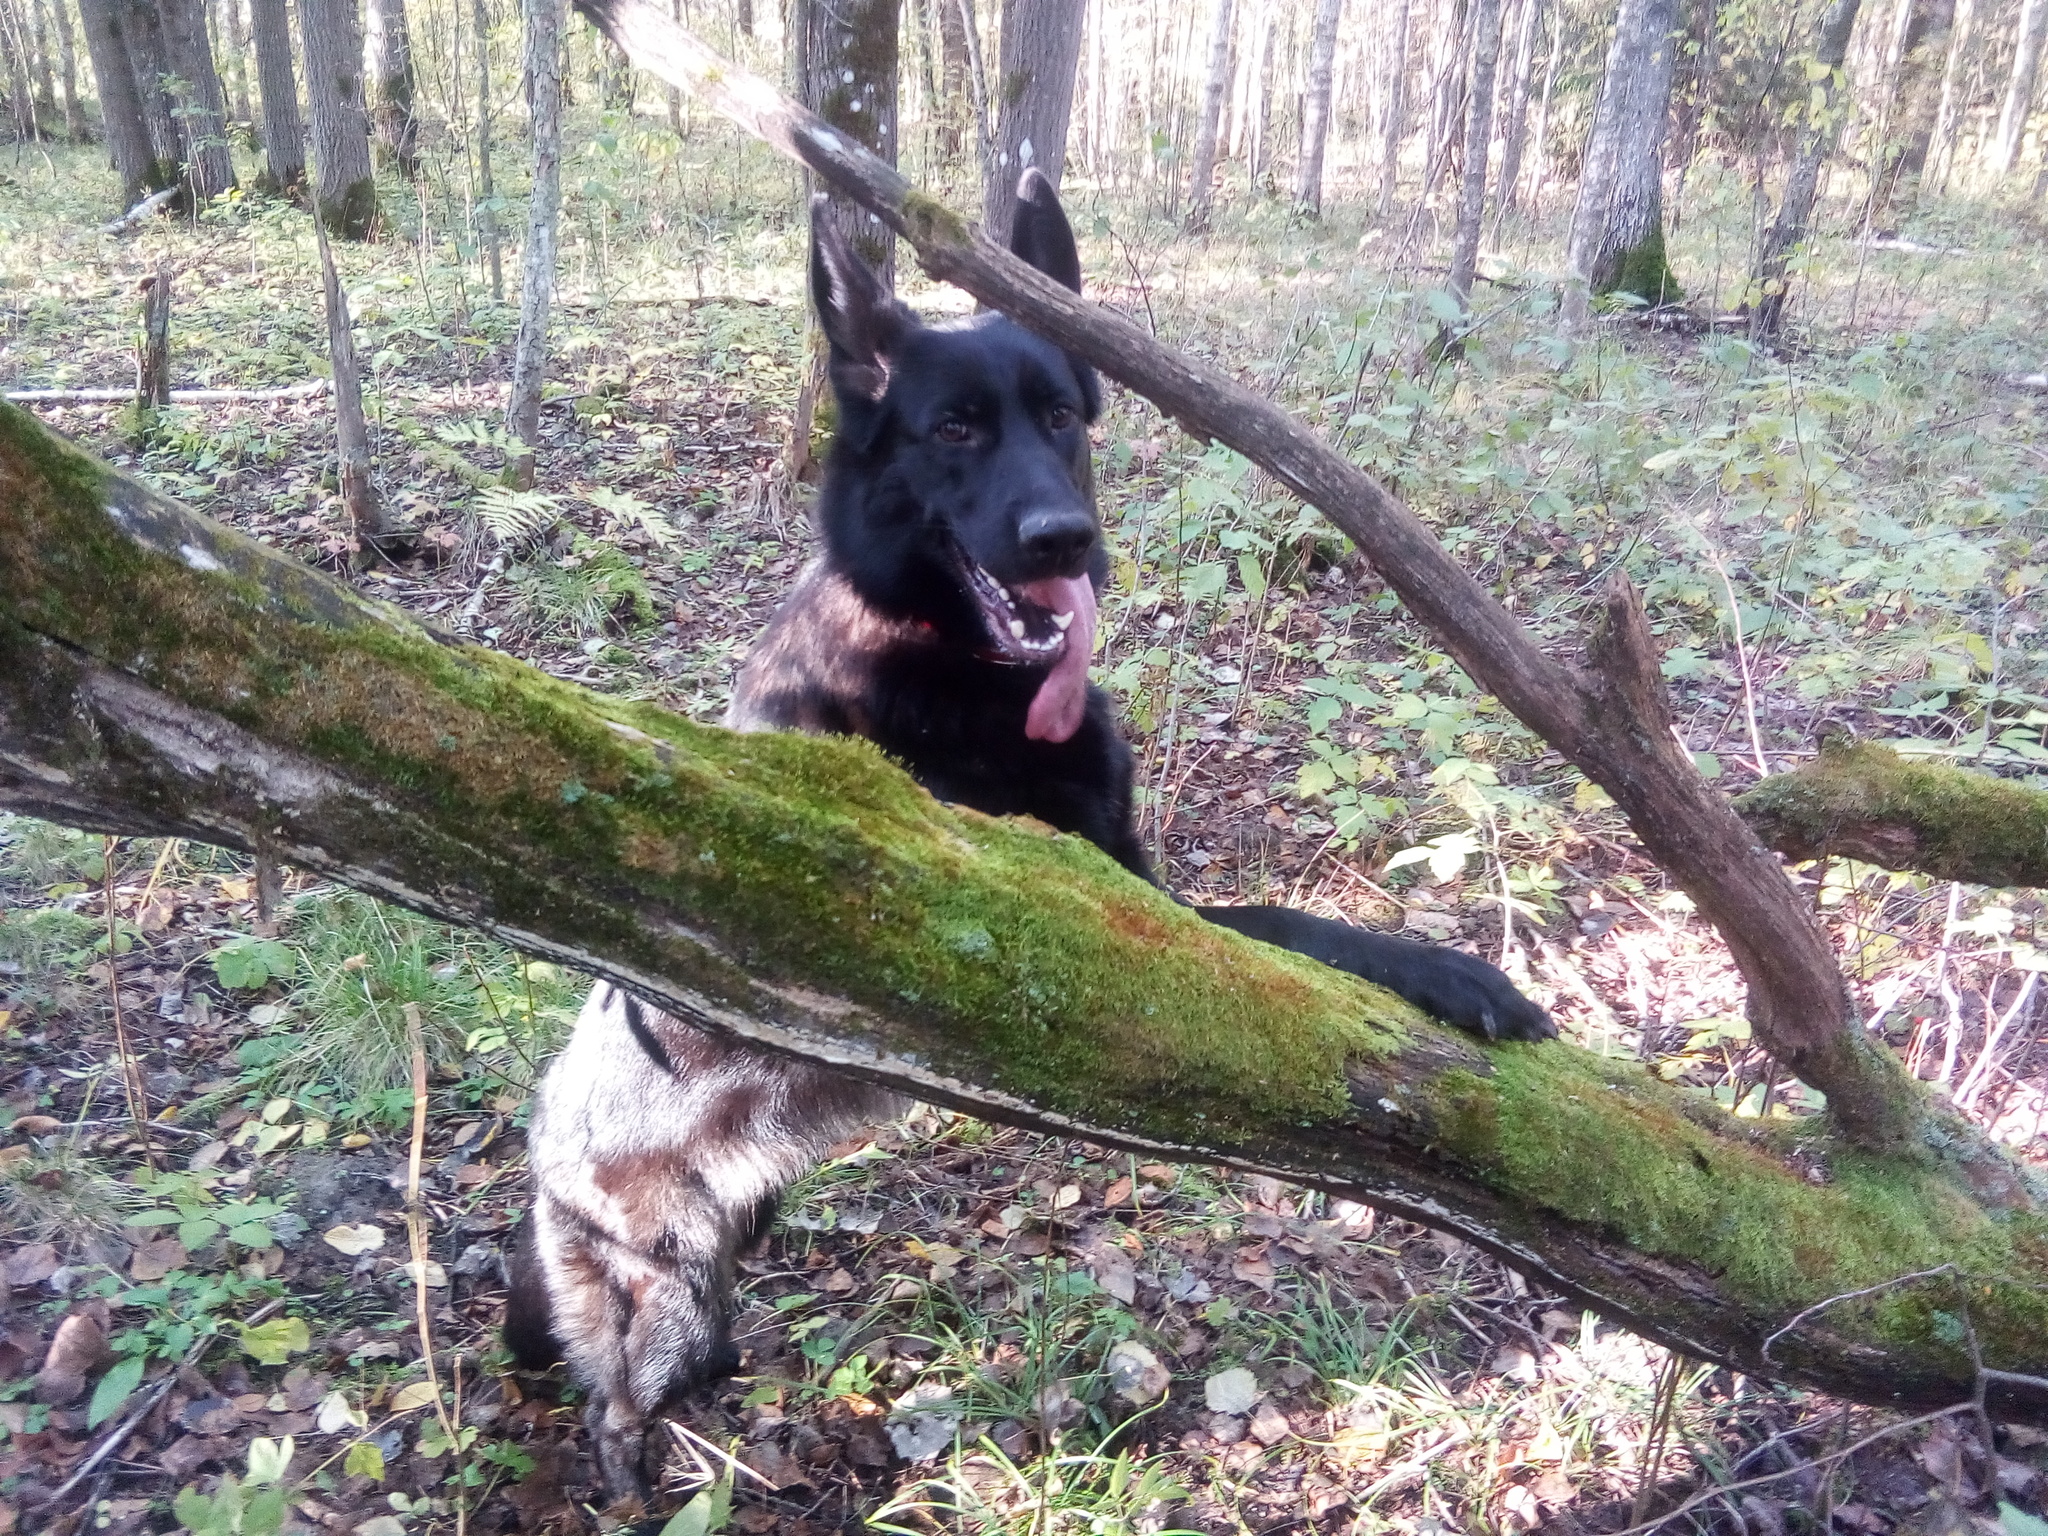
<point>363,1237</point>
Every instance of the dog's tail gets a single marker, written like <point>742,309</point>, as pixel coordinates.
<point>529,1320</point>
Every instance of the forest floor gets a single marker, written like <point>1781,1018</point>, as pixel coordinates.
<point>958,1326</point>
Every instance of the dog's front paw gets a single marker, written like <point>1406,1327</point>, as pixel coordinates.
<point>1464,990</point>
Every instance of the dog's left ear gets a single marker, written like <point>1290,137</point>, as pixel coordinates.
<point>861,319</point>
<point>1040,235</point>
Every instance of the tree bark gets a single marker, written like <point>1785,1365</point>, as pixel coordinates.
<point>105,23</point>
<point>235,31</point>
<point>152,356</point>
<point>76,126</point>
<point>2019,87</point>
<point>1515,132</point>
<point>162,675</point>
<point>1202,171</point>
<point>1478,142</point>
<point>1771,281</point>
<point>1396,126</point>
<point>1616,244</point>
<point>390,85</point>
<point>1037,57</point>
<point>486,191</point>
<point>1908,131</point>
<point>344,187</point>
<point>543,65</point>
<point>1948,117</point>
<point>955,101</point>
<point>1610,716</point>
<point>284,131</point>
<point>1867,803</point>
<point>846,54</point>
<point>202,108</point>
<point>1315,104</point>
<point>149,57</point>
<point>361,507</point>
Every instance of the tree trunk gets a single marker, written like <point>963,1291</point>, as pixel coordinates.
<point>1771,282</point>
<point>149,57</point>
<point>76,125</point>
<point>236,34</point>
<point>152,357</point>
<point>361,507</point>
<point>1202,170</point>
<point>846,56</point>
<point>543,66</point>
<point>486,192</point>
<point>162,675</point>
<point>284,131</point>
<point>614,79</point>
<point>201,108</point>
<point>105,23</point>
<point>954,104</point>
<point>1948,117</point>
<point>390,85</point>
<point>1909,136</point>
<point>1515,131</point>
<point>1396,126</point>
<point>1315,104</point>
<point>344,187</point>
<point>1616,243</point>
<point>1472,184</point>
<point>1040,52</point>
<point>1611,717</point>
<point>1865,802</point>
<point>2019,88</point>
<point>1540,136</point>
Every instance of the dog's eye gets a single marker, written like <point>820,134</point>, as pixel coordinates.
<point>1059,418</point>
<point>952,430</point>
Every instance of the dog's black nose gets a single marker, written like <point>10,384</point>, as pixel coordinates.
<point>1056,540</point>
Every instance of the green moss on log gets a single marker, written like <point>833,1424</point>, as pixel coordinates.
<point>1864,801</point>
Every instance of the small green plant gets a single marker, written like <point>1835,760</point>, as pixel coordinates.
<point>247,962</point>
<point>254,1506</point>
<point>188,1204</point>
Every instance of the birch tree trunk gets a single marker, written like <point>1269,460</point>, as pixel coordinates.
<point>1923,45</point>
<point>284,131</point>
<point>2019,87</point>
<point>344,187</point>
<point>954,96</point>
<point>1616,243</point>
<point>1315,104</point>
<point>1472,183</point>
<point>1038,56</point>
<point>1396,126</point>
<point>361,506</point>
<point>543,70</point>
<point>1202,170</point>
<point>390,85</point>
<point>1817,136</point>
<point>136,161</point>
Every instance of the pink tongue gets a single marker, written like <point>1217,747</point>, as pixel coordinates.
<point>1063,697</point>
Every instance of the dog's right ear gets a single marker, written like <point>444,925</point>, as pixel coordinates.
<point>861,319</point>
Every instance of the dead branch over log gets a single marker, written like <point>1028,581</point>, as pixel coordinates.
<point>1607,715</point>
<point>160,674</point>
<point>310,390</point>
<point>1866,802</point>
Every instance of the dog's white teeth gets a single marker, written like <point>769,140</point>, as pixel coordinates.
<point>1003,593</point>
<point>1061,620</point>
<point>1017,628</point>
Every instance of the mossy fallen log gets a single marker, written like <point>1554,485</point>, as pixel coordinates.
<point>1862,800</point>
<point>160,674</point>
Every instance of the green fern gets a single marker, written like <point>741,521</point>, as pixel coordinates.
<point>517,517</point>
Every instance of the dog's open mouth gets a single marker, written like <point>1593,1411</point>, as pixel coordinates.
<point>1045,623</point>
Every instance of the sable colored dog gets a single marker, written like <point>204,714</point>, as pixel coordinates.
<point>950,620</point>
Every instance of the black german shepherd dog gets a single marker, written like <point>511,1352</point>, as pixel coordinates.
<point>950,620</point>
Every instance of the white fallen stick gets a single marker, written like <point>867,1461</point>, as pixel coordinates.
<point>141,211</point>
<point>307,391</point>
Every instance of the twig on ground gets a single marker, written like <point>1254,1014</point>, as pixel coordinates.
<point>131,1072</point>
<point>416,1237</point>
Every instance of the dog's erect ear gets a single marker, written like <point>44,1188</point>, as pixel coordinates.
<point>860,318</point>
<point>1040,235</point>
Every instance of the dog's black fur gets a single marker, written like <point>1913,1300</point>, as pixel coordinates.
<point>957,514</point>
